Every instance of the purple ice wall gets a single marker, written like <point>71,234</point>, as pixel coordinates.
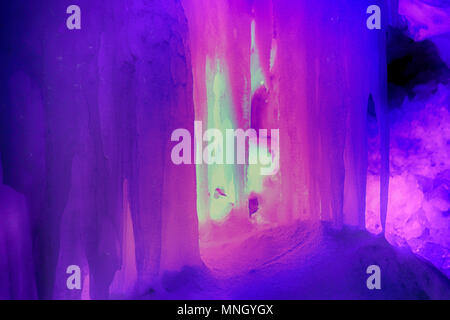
<point>85,130</point>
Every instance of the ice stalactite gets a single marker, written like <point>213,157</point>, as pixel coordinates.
<point>162,195</point>
<point>87,122</point>
<point>16,269</point>
<point>79,182</point>
<point>125,279</point>
<point>325,84</point>
<point>313,68</point>
<point>220,43</point>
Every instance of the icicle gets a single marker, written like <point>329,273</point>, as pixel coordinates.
<point>17,279</point>
<point>220,42</point>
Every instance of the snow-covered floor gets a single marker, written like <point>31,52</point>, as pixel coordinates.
<point>303,261</point>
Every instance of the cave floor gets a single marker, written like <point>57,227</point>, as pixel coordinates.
<point>304,261</point>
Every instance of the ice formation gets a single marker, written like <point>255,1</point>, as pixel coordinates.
<point>290,65</point>
<point>419,185</point>
<point>84,139</point>
<point>87,116</point>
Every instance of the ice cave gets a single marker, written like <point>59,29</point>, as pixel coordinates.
<point>362,159</point>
